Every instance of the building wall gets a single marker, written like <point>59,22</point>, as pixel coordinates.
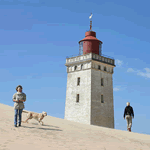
<point>79,112</point>
<point>89,110</point>
<point>102,114</point>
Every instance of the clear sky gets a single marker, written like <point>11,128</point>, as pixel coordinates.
<point>37,35</point>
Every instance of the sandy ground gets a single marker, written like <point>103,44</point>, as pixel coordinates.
<point>60,134</point>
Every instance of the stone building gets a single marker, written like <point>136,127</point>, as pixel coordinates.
<point>89,94</point>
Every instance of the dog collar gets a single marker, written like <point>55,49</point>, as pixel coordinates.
<point>42,116</point>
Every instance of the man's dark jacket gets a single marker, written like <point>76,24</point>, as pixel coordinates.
<point>129,111</point>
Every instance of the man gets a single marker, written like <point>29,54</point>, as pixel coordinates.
<point>18,98</point>
<point>129,113</point>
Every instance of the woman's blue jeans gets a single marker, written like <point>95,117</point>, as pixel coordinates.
<point>18,112</point>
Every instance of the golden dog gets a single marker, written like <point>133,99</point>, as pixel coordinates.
<point>36,116</point>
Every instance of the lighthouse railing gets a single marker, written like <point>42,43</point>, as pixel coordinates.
<point>89,53</point>
<point>102,58</point>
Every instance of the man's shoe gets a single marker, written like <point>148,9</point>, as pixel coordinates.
<point>15,125</point>
<point>128,129</point>
<point>19,124</point>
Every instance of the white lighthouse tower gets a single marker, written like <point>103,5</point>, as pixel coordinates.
<point>89,94</point>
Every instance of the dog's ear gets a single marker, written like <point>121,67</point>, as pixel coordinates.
<point>45,113</point>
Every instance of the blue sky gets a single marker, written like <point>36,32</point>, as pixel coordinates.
<point>37,35</point>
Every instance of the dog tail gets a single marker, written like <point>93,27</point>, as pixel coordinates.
<point>25,111</point>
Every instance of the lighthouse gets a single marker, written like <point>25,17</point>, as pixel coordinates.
<point>89,93</point>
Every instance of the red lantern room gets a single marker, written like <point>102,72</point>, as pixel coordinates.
<point>90,44</point>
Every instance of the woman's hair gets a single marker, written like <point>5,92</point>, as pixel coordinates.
<point>18,87</point>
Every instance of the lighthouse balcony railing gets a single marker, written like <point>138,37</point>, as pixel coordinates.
<point>103,58</point>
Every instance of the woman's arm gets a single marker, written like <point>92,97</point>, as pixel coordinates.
<point>14,98</point>
<point>24,98</point>
<point>21,100</point>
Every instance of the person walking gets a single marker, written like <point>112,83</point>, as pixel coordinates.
<point>18,98</point>
<point>128,112</point>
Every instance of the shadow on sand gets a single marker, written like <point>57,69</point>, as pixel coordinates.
<point>50,126</point>
<point>41,128</point>
<point>50,129</point>
<point>45,125</point>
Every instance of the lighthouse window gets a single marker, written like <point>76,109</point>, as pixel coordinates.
<point>99,67</point>
<point>102,99</point>
<point>102,82</point>
<point>77,98</point>
<point>104,68</point>
<point>100,49</point>
<point>82,66</point>
<point>75,68</point>
<point>81,48</point>
<point>78,81</point>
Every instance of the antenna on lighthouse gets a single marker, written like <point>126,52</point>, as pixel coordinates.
<point>91,21</point>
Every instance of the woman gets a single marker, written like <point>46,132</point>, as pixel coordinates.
<point>18,98</point>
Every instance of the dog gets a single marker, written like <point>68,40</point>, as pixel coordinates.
<point>36,116</point>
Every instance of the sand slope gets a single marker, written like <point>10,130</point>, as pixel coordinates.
<point>60,134</point>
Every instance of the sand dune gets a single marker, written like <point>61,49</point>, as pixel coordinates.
<point>60,134</point>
